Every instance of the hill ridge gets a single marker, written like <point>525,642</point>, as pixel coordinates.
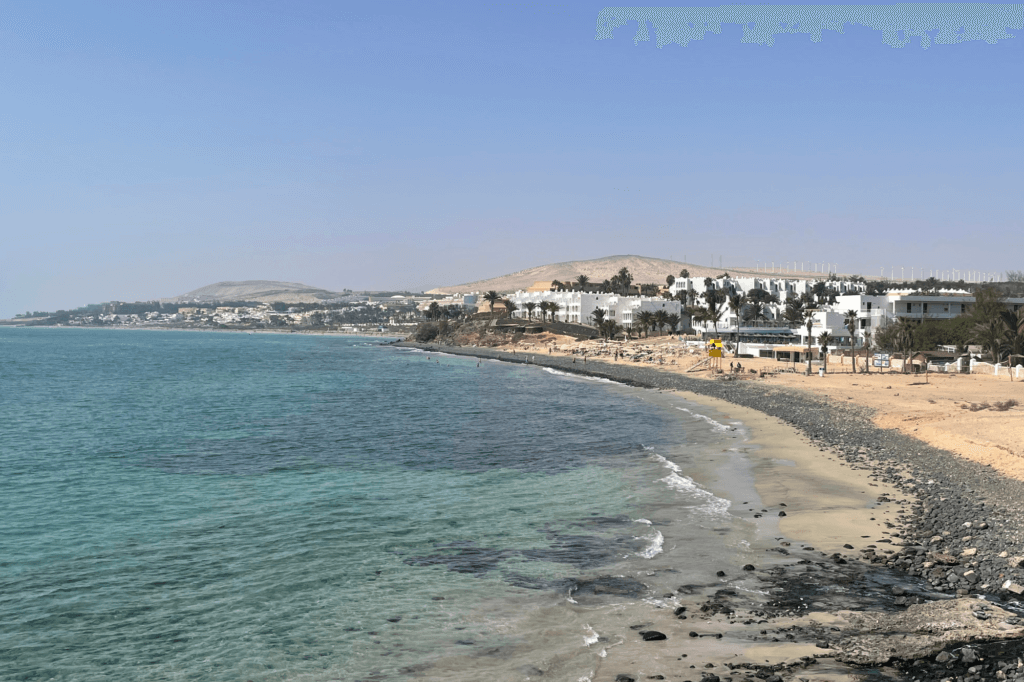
<point>644,269</point>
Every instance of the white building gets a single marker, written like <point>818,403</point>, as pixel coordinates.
<point>578,307</point>
<point>873,312</point>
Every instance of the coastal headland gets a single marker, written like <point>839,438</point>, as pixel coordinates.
<point>896,559</point>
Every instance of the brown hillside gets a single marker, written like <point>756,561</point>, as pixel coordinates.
<point>643,269</point>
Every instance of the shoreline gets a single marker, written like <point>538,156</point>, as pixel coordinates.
<point>285,332</point>
<point>852,479</point>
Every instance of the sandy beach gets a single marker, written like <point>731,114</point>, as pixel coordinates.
<point>874,512</point>
<point>956,412</point>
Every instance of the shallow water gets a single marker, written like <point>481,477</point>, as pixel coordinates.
<point>214,506</point>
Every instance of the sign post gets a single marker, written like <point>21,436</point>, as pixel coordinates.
<point>715,353</point>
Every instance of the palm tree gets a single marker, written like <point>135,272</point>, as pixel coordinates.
<point>794,312</point>
<point>809,323</point>
<point>492,297</point>
<point>714,316</point>
<point>736,303</point>
<point>625,279</point>
<point>670,280</point>
<point>544,305</point>
<point>673,321</point>
<point>867,352</point>
<point>660,319</point>
<point>433,311</point>
<point>1014,336</point>
<point>904,340</point>
<point>646,320</point>
<point>755,311</point>
<point>582,281</point>
<point>684,274</point>
<point>851,325</point>
<point>598,316</point>
<point>530,307</point>
<point>824,340</point>
<point>552,309</point>
<point>510,307</point>
<point>990,335</point>
<point>609,328</point>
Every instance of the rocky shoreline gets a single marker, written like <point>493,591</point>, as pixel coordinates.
<point>953,568</point>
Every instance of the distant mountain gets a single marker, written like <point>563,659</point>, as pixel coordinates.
<point>257,290</point>
<point>643,269</point>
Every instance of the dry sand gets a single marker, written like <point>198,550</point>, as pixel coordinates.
<point>932,408</point>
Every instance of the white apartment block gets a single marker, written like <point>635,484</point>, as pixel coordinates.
<point>578,307</point>
<point>874,312</point>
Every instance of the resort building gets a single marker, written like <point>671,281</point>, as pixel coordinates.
<point>578,306</point>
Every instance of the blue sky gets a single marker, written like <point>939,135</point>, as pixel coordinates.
<point>153,148</point>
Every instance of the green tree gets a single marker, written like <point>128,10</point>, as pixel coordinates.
<point>673,320</point>
<point>598,316</point>
<point>433,311</point>
<point>553,309</point>
<point>510,307</point>
<point>646,320</point>
<point>582,281</point>
<point>492,297</point>
<point>660,319</point>
<point>990,335</point>
<point>904,341</point>
<point>544,305</point>
<point>736,304</point>
<point>684,274</point>
<point>851,326</point>
<point>670,280</point>
<point>609,329</point>
<point>824,341</point>
<point>530,307</point>
<point>809,323</point>
<point>1014,337</point>
<point>625,279</point>
<point>989,304</point>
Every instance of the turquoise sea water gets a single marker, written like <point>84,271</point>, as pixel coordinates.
<point>215,506</point>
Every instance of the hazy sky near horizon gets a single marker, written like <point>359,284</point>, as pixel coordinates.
<point>153,148</point>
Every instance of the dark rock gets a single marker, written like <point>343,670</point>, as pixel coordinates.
<point>782,513</point>
<point>652,635</point>
<point>720,574</point>
<point>749,567</point>
<point>624,678</point>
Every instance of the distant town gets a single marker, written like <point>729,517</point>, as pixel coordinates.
<point>793,318</point>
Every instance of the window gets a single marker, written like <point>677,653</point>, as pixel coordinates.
<point>908,307</point>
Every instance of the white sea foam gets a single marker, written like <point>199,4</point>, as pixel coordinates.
<point>604,653</point>
<point>589,636</point>
<point>657,542</point>
<point>643,521</point>
<point>683,484</point>
<point>709,420</point>
<point>712,504</point>
<point>556,372</point>
<point>667,463</point>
